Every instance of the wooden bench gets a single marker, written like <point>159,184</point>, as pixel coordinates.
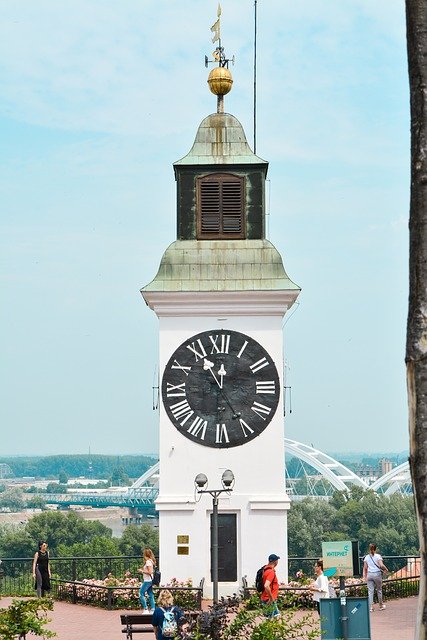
<point>136,623</point>
<point>141,622</point>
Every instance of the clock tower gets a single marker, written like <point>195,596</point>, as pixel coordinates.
<point>220,294</point>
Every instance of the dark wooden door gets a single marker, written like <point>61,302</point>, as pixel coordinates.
<point>227,547</point>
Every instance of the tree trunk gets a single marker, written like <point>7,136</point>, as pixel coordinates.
<point>416,346</point>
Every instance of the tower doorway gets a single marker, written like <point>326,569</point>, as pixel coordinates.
<point>227,547</point>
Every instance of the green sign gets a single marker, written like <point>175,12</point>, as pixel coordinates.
<point>338,558</point>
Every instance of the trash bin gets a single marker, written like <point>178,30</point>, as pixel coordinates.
<point>359,624</point>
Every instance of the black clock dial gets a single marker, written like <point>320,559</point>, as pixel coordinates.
<point>220,388</point>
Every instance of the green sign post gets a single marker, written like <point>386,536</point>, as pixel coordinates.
<point>339,559</point>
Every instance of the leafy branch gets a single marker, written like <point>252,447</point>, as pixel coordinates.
<point>26,616</point>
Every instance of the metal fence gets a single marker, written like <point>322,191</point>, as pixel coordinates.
<point>70,575</point>
<point>402,580</point>
<point>122,597</point>
<point>408,566</point>
<point>17,572</point>
<point>92,581</point>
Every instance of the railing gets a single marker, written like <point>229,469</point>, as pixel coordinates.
<point>401,581</point>
<point>121,597</point>
<point>73,580</point>
<point>410,565</point>
<point>18,580</point>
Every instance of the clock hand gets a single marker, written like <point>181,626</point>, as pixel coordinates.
<point>208,365</point>
<point>236,414</point>
<point>222,372</point>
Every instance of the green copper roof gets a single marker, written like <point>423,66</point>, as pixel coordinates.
<point>221,265</point>
<point>220,139</point>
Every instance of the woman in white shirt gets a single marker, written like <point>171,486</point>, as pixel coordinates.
<point>320,587</point>
<point>373,567</point>
<point>147,580</point>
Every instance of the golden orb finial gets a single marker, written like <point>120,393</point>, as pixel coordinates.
<point>220,81</point>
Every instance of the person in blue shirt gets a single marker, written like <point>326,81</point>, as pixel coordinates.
<point>164,603</point>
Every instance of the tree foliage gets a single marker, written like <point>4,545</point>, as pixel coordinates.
<point>12,499</point>
<point>26,616</point>
<point>136,538</point>
<point>119,478</point>
<point>62,477</point>
<point>74,466</point>
<point>60,530</point>
<point>68,534</point>
<point>390,522</point>
<point>98,546</point>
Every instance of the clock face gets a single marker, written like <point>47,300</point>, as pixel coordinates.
<point>220,388</point>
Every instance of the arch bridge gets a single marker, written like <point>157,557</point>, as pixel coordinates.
<point>331,476</point>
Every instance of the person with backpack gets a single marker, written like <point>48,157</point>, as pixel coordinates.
<point>166,617</point>
<point>267,580</point>
<point>147,580</point>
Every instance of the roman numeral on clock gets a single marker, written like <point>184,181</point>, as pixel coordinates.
<point>265,386</point>
<point>181,367</point>
<point>246,429</point>
<point>175,390</point>
<point>245,344</point>
<point>198,354</point>
<point>181,410</point>
<point>224,343</point>
<point>221,434</point>
<point>259,364</point>
<point>198,426</point>
<point>261,410</point>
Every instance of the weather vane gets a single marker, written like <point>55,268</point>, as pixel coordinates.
<point>220,80</point>
<point>218,55</point>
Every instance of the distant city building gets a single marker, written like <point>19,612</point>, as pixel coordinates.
<point>5,470</point>
<point>385,466</point>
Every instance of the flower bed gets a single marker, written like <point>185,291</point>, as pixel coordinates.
<point>122,593</point>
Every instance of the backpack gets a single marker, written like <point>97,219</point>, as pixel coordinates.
<point>169,625</point>
<point>259,579</point>
<point>156,577</point>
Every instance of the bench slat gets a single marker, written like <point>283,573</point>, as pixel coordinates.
<point>136,623</point>
<point>136,618</point>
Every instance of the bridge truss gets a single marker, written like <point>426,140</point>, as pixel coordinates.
<point>319,475</point>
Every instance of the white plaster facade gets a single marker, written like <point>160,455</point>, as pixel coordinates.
<point>258,498</point>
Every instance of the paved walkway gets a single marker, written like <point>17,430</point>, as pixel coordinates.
<point>80,622</point>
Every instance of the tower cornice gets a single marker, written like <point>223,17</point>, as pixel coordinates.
<point>220,303</point>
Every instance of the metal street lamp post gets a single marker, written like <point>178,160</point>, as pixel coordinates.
<point>201,482</point>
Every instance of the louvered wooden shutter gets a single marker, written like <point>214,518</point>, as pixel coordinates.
<point>210,207</point>
<point>220,207</point>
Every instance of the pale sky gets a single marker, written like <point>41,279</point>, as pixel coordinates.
<point>97,100</point>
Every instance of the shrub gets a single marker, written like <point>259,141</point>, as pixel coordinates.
<point>186,600</point>
<point>248,622</point>
<point>26,616</point>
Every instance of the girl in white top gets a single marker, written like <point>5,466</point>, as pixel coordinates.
<point>320,586</point>
<point>147,580</point>
<point>373,567</point>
